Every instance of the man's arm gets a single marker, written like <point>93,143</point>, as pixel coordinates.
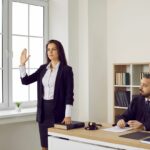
<point>130,113</point>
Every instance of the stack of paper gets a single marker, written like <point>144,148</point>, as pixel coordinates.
<point>117,129</point>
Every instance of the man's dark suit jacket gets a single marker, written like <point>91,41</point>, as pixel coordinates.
<point>63,92</point>
<point>137,110</point>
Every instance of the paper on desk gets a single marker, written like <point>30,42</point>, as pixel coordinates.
<point>117,129</point>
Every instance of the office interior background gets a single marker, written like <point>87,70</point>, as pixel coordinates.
<point>95,34</point>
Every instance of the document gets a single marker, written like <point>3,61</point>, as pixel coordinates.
<point>117,129</point>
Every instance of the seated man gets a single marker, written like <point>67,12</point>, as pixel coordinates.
<point>137,116</point>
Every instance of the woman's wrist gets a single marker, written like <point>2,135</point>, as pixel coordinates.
<point>68,110</point>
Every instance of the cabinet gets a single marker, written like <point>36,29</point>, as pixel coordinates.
<point>66,144</point>
<point>126,84</point>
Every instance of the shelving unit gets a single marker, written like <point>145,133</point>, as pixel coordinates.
<point>126,84</point>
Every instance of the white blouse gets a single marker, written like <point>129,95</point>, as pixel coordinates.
<point>48,81</point>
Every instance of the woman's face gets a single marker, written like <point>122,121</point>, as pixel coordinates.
<point>52,52</point>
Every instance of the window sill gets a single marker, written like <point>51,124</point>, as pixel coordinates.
<point>13,116</point>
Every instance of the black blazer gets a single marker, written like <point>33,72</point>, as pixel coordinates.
<point>63,93</point>
<point>137,110</point>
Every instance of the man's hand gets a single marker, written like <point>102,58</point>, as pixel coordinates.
<point>121,123</point>
<point>135,124</point>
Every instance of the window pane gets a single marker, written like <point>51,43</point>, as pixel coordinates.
<point>36,20</point>
<point>0,86</point>
<point>33,88</point>
<point>19,18</point>
<point>36,52</point>
<point>0,16</point>
<point>18,44</point>
<point>1,69</point>
<point>0,51</point>
<point>20,92</point>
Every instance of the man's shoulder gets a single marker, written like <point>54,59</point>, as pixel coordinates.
<point>138,98</point>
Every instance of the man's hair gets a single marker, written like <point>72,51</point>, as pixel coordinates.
<point>146,75</point>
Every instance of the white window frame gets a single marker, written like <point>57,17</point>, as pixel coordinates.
<point>7,48</point>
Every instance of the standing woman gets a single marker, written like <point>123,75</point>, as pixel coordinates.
<point>54,88</point>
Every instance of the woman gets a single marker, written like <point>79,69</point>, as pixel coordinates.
<point>54,88</point>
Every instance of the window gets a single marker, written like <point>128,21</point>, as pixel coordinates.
<point>27,23</point>
<point>27,32</point>
<point>0,51</point>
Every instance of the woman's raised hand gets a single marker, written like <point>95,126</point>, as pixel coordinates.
<point>24,58</point>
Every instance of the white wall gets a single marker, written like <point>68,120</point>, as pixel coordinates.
<point>83,57</point>
<point>128,36</point>
<point>58,21</point>
<point>19,136</point>
<point>97,60</point>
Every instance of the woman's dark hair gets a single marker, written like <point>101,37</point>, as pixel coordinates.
<point>60,49</point>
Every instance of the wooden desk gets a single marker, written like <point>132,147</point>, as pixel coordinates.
<point>91,140</point>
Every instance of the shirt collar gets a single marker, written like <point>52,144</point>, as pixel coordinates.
<point>146,99</point>
<point>56,67</point>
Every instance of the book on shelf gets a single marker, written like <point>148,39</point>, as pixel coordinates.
<point>142,73</point>
<point>146,140</point>
<point>127,78</point>
<point>122,78</point>
<point>122,98</point>
<point>73,125</point>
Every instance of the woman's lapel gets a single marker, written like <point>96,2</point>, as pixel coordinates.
<point>58,79</point>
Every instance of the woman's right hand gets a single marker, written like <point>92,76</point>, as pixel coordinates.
<point>24,58</point>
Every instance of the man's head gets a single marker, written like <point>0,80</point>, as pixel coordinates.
<point>145,85</point>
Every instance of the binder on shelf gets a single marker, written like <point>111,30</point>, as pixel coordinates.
<point>122,98</point>
<point>127,78</point>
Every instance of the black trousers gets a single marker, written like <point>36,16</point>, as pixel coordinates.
<point>48,121</point>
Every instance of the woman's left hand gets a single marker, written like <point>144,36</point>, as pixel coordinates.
<point>67,120</point>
